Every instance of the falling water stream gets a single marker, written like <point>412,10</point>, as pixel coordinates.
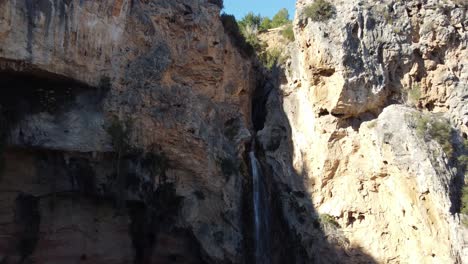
<point>261,230</point>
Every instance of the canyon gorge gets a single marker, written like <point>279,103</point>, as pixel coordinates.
<point>144,131</point>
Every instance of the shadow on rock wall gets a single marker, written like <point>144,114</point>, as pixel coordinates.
<point>298,233</point>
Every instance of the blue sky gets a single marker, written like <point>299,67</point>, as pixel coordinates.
<point>239,8</point>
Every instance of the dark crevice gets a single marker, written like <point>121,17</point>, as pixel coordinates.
<point>31,91</point>
<point>338,115</point>
<point>27,220</point>
<point>264,87</point>
<point>326,72</point>
<point>323,112</point>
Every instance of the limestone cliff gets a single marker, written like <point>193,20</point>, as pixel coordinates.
<point>126,126</point>
<point>347,129</point>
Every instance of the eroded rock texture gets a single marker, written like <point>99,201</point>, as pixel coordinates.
<point>124,126</point>
<point>126,123</point>
<point>342,131</point>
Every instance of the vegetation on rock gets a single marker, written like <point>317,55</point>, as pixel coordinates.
<point>264,23</point>
<point>281,18</point>
<point>463,166</point>
<point>441,131</point>
<point>244,35</point>
<point>271,58</point>
<point>326,219</point>
<point>288,32</point>
<point>415,93</point>
<point>119,133</point>
<point>232,29</point>
<point>320,10</point>
<point>250,21</point>
<point>437,129</point>
<point>157,164</point>
<point>464,203</point>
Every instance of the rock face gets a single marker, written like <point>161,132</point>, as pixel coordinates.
<point>342,131</point>
<point>126,127</point>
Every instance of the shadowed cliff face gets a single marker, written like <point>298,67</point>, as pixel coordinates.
<point>124,127</point>
<point>123,124</point>
<point>347,134</point>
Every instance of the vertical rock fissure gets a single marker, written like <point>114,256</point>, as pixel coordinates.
<point>27,221</point>
<point>260,200</point>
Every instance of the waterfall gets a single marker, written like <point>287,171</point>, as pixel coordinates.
<point>261,229</point>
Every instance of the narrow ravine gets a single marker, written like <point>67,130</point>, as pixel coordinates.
<point>260,191</point>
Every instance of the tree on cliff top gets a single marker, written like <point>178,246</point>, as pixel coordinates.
<point>250,21</point>
<point>253,21</point>
<point>281,18</point>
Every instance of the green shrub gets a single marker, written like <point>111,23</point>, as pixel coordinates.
<point>281,18</point>
<point>271,58</point>
<point>320,10</point>
<point>250,21</point>
<point>326,219</point>
<point>251,37</point>
<point>266,24</point>
<point>232,29</point>
<point>119,133</point>
<point>415,93</point>
<point>157,164</point>
<point>288,32</point>
<point>462,159</point>
<point>464,203</point>
<point>438,129</point>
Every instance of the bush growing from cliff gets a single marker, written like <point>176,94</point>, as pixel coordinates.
<point>244,36</point>
<point>464,203</point>
<point>462,161</point>
<point>232,29</point>
<point>119,132</point>
<point>250,21</point>
<point>437,129</point>
<point>288,32</point>
<point>326,219</point>
<point>157,163</point>
<point>320,10</point>
<point>281,18</point>
<point>415,93</point>
<point>266,24</point>
<point>332,230</point>
<point>270,58</point>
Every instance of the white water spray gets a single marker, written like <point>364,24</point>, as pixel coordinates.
<point>260,212</point>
